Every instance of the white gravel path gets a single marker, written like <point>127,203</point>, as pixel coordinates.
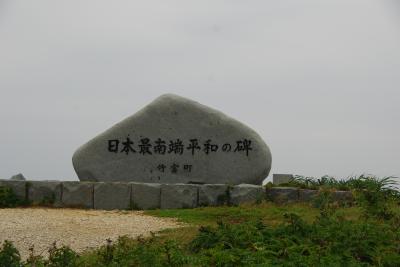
<point>79,229</point>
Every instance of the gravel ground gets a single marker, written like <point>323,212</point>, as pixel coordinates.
<point>79,229</point>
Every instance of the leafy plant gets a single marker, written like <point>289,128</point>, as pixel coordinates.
<point>9,255</point>
<point>35,260</point>
<point>375,196</point>
<point>388,184</point>
<point>61,257</point>
<point>8,199</point>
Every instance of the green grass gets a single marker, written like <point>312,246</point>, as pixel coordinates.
<point>269,213</point>
<point>322,233</point>
<point>264,234</point>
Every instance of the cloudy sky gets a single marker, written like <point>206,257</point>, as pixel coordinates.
<point>319,80</point>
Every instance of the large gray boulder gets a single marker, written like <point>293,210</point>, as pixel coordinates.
<point>175,140</point>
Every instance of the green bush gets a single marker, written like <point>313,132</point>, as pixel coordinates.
<point>8,199</point>
<point>58,257</point>
<point>328,241</point>
<point>9,255</point>
<point>62,257</point>
<point>387,184</point>
<point>48,200</point>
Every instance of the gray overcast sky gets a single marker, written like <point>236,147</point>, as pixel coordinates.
<point>319,80</point>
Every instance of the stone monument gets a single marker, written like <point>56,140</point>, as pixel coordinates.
<point>175,140</point>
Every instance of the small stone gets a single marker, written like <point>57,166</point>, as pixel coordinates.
<point>111,196</point>
<point>213,195</point>
<point>283,194</point>
<point>179,196</point>
<point>146,196</point>
<point>77,195</point>
<point>18,177</point>
<point>175,140</point>
<point>246,193</point>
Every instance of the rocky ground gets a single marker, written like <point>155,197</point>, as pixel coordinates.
<point>79,229</point>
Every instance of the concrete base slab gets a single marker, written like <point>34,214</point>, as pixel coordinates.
<point>213,195</point>
<point>44,192</point>
<point>307,195</point>
<point>146,196</point>
<point>246,193</point>
<point>78,194</point>
<point>283,194</point>
<point>111,196</point>
<point>178,196</point>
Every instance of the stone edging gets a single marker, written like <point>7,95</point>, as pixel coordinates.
<point>109,196</point>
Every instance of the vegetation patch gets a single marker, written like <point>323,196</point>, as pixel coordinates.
<point>323,233</point>
<point>363,182</point>
<point>8,199</point>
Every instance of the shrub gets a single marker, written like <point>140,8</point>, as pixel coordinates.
<point>8,199</point>
<point>34,260</point>
<point>9,255</point>
<point>376,196</point>
<point>61,257</point>
<point>48,200</point>
<point>387,184</point>
<point>328,241</point>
